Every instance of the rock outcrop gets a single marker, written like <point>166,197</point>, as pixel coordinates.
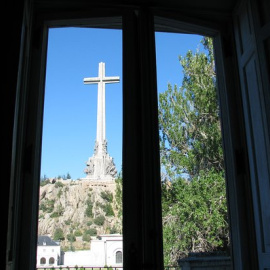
<point>79,210</point>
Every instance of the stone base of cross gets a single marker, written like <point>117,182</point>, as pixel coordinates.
<point>100,166</point>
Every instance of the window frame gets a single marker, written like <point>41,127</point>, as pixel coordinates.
<point>118,257</point>
<point>42,261</point>
<point>141,191</point>
<point>51,261</point>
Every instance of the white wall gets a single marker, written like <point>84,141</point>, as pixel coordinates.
<point>48,252</point>
<point>102,252</point>
<point>79,258</point>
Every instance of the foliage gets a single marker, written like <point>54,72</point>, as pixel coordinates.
<point>47,206</point>
<point>195,215</point>
<point>59,193</point>
<point>44,182</point>
<point>89,208</point>
<point>107,208</point>
<point>86,237</point>
<point>99,220</point>
<point>58,184</point>
<point>89,223</point>
<point>58,234</point>
<point>44,178</point>
<point>64,177</point>
<point>193,185</point>
<point>118,194</point>
<point>113,230</point>
<point>78,233</point>
<point>107,196</point>
<point>58,211</point>
<point>190,139</point>
<point>91,232</point>
<point>71,237</point>
<point>68,221</point>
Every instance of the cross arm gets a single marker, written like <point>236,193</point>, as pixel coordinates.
<point>114,79</point>
<point>91,80</point>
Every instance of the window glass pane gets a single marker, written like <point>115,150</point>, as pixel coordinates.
<point>80,207</point>
<point>194,208</point>
<point>118,257</point>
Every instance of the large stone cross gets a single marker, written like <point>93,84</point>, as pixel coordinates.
<point>101,80</point>
<point>99,169</point>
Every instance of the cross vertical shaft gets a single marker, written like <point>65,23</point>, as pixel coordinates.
<point>101,164</point>
<point>101,80</point>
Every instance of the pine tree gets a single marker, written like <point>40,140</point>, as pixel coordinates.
<point>193,183</point>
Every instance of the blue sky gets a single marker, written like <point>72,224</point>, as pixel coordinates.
<point>69,125</point>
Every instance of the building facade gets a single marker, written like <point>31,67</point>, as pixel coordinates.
<point>106,250</point>
<point>48,252</point>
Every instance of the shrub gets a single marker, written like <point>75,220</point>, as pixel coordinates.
<point>58,234</point>
<point>113,230</point>
<point>58,212</point>
<point>91,232</point>
<point>89,208</point>
<point>42,207</point>
<point>99,220</point>
<point>86,237</point>
<point>107,196</point>
<point>108,209</point>
<point>68,222</point>
<point>58,184</point>
<point>47,206</point>
<point>78,233</point>
<point>44,182</point>
<point>60,192</point>
<point>71,237</point>
<point>89,223</point>
<point>54,215</point>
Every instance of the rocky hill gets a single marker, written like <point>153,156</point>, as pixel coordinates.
<point>77,210</point>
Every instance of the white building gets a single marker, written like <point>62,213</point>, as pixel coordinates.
<point>48,252</point>
<point>106,250</point>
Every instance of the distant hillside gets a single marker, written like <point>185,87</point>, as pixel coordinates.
<point>77,210</point>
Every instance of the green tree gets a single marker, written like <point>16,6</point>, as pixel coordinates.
<point>194,216</point>
<point>58,234</point>
<point>89,208</point>
<point>193,184</point>
<point>107,208</point>
<point>77,233</point>
<point>107,196</point>
<point>86,237</point>
<point>190,139</point>
<point>91,232</point>
<point>118,194</point>
<point>99,220</point>
<point>71,237</point>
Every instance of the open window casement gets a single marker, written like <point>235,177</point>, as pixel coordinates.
<point>244,104</point>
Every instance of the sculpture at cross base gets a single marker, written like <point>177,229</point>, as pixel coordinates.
<point>101,165</point>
